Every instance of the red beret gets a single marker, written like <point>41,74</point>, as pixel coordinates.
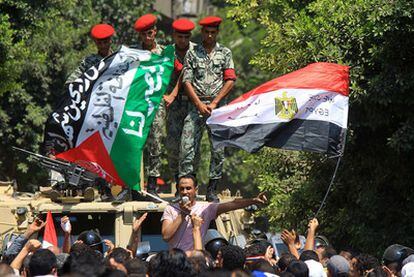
<point>183,25</point>
<point>145,22</point>
<point>210,21</point>
<point>102,31</point>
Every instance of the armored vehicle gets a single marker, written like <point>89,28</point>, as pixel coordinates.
<point>112,220</point>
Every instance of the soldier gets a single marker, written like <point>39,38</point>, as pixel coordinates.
<point>102,36</point>
<point>147,29</point>
<point>175,99</point>
<point>208,77</point>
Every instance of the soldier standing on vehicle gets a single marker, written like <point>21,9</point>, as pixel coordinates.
<point>176,101</point>
<point>102,36</point>
<point>208,76</point>
<point>147,30</point>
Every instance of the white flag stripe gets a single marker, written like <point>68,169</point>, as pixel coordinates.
<point>312,104</point>
<point>109,95</point>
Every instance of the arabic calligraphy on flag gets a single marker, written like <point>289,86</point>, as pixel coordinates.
<point>106,117</point>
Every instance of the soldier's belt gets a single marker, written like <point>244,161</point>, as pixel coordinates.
<point>205,98</point>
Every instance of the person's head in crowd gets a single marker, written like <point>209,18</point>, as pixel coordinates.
<point>309,255</point>
<point>213,241</point>
<point>315,268</point>
<point>170,263</point>
<point>42,262</point>
<point>118,258</point>
<point>217,272</point>
<point>348,253</point>
<point>6,269</point>
<point>338,266</point>
<point>286,274</point>
<point>394,255</point>
<point>284,261</point>
<point>230,257</point>
<point>136,267</point>
<point>79,247</point>
<point>376,272</point>
<point>61,263</point>
<point>88,263</point>
<point>261,265</point>
<point>363,263</point>
<point>113,272</point>
<point>260,248</point>
<point>239,273</point>
<point>182,33</point>
<point>25,266</point>
<point>325,253</point>
<point>200,260</point>
<point>298,269</point>
<point>92,239</point>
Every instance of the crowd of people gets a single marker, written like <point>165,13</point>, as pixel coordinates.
<point>193,251</point>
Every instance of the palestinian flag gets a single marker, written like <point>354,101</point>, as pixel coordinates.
<point>105,119</point>
<point>303,110</point>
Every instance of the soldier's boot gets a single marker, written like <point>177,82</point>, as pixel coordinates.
<point>106,194</point>
<point>211,195</point>
<point>89,194</point>
<point>152,188</point>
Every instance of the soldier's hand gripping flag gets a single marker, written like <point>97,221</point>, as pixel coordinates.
<point>303,110</point>
<point>103,122</point>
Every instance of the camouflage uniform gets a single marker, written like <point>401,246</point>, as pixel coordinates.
<point>87,63</point>
<point>153,146</point>
<point>176,114</point>
<point>206,74</point>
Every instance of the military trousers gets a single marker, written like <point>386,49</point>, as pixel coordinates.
<point>194,125</point>
<point>176,114</point>
<point>153,146</point>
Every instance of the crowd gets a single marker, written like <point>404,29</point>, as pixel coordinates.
<point>208,253</point>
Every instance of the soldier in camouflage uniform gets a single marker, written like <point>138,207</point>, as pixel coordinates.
<point>176,101</point>
<point>208,77</point>
<point>146,27</point>
<point>102,36</point>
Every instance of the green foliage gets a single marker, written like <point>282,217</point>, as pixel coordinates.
<point>41,42</point>
<point>370,204</point>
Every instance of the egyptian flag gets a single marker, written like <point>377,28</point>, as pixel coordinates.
<point>103,122</point>
<point>304,110</point>
<point>49,235</point>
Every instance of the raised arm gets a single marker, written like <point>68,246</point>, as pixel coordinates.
<point>288,238</point>
<point>310,238</point>
<point>236,204</point>
<point>197,222</point>
<point>31,246</point>
<point>67,229</point>
<point>134,239</point>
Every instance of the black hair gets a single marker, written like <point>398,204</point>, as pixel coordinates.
<point>189,176</point>
<point>259,247</point>
<point>43,261</point>
<point>170,263</point>
<point>88,263</point>
<point>309,255</point>
<point>365,262</point>
<point>328,252</point>
<point>136,267</point>
<point>261,265</point>
<point>285,260</point>
<point>286,274</point>
<point>120,255</point>
<point>111,272</point>
<point>298,268</point>
<point>377,272</point>
<point>233,257</point>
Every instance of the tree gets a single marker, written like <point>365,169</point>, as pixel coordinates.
<point>373,187</point>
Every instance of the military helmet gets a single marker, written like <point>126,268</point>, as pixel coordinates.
<point>321,241</point>
<point>92,239</point>
<point>396,253</point>
<point>213,241</point>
